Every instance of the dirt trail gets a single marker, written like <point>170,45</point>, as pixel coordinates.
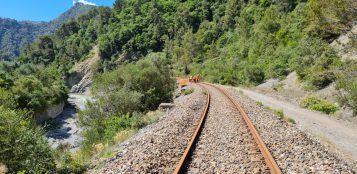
<point>339,135</point>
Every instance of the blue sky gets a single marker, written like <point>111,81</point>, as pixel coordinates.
<point>40,10</point>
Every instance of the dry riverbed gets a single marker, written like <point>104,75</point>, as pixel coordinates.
<point>64,129</point>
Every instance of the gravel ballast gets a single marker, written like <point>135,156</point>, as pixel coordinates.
<point>225,144</point>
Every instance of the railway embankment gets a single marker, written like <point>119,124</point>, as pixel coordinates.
<point>158,148</point>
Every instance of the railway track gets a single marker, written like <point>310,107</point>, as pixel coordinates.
<point>229,131</point>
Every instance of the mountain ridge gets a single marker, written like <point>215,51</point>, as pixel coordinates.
<point>15,35</point>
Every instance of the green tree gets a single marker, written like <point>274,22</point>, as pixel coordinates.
<point>329,18</point>
<point>29,93</point>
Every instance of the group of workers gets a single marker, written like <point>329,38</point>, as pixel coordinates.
<point>195,78</point>
<point>184,81</point>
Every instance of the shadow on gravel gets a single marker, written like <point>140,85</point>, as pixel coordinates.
<point>60,127</point>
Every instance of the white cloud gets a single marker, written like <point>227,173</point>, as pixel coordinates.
<point>84,2</point>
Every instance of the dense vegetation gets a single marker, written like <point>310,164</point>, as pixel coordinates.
<point>142,43</point>
<point>15,35</point>
<point>32,87</point>
<point>229,42</point>
<point>123,96</point>
<point>23,147</point>
<point>70,42</point>
<point>24,91</point>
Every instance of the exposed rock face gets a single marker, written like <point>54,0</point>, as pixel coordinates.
<point>73,79</point>
<point>345,45</point>
<point>51,112</point>
<point>80,79</point>
<point>270,83</point>
<point>82,86</point>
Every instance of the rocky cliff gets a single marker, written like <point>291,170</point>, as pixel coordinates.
<point>80,78</point>
<point>346,44</point>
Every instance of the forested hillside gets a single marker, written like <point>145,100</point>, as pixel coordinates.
<point>229,42</point>
<point>235,42</point>
<point>15,35</point>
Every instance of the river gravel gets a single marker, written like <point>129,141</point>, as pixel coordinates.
<point>64,128</point>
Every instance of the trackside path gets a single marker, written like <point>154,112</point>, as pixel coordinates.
<point>334,132</point>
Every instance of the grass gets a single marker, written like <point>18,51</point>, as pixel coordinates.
<point>291,120</point>
<point>97,151</point>
<point>105,151</point>
<point>188,91</point>
<point>317,104</point>
<point>152,117</point>
<point>259,103</point>
<point>282,116</point>
<point>280,113</point>
<point>204,92</point>
<point>268,108</point>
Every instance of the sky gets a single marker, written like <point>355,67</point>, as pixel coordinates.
<point>40,10</point>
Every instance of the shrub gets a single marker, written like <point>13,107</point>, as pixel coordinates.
<point>317,104</point>
<point>150,77</point>
<point>330,17</point>
<point>259,103</point>
<point>347,85</point>
<point>291,120</point>
<point>68,162</point>
<point>255,74</point>
<point>280,114</point>
<point>122,96</point>
<point>7,99</point>
<point>188,91</point>
<point>22,145</point>
<point>116,124</point>
<point>29,93</point>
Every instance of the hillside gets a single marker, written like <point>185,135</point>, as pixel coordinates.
<point>15,35</point>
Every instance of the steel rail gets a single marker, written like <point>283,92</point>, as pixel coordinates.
<point>269,160</point>
<point>180,166</point>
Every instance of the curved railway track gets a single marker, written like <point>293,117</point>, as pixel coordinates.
<point>257,151</point>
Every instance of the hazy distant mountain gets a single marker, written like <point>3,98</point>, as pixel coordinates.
<point>14,35</point>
